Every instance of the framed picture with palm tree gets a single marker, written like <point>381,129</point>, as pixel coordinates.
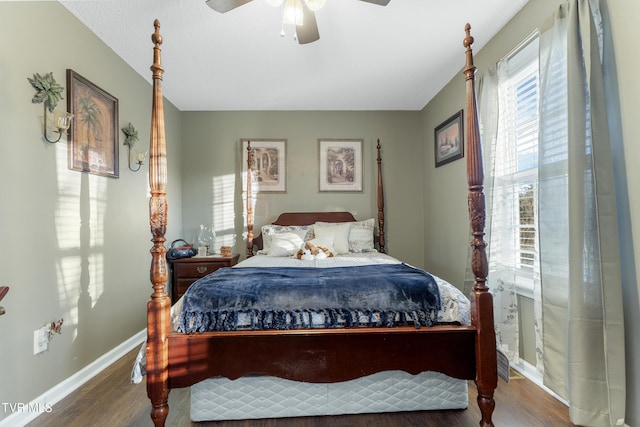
<point>93,136</point>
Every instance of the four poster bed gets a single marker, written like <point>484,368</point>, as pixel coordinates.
<point>317,345</point>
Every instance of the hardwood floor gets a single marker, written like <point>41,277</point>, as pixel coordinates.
<point>111,400</point>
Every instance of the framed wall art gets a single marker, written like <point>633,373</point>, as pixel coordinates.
<point>93,139</point>
<point>268,166</point>
<point>340,164</point>
<point>449,140</point>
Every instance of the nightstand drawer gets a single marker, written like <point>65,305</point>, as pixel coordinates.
<point>185,271</point>
<point>198,269</point>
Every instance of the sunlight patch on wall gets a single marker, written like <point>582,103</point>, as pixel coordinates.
<point>68,277</point>
<point>79,226</point>
<point>223,210</point>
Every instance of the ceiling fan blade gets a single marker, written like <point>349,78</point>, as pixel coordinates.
<point>308,31</point>
<point>223,6</point>
<point>378,2</point>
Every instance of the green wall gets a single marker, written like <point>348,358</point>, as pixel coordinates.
<point>76,245</point>
<point>211,162</point>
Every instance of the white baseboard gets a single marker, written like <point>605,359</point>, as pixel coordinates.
<point>532,374</point>
<point>25,413</point>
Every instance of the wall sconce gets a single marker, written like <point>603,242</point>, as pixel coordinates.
<point>61,121</point>
<point>140,158</point>
<point>49,92</point>
<point>131,136</point>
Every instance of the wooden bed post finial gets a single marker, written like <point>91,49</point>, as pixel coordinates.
<point>381,242</point>
<point>468,41</point>
<point>156,38</point>
<point>158,308</point>
<point>249,203</point>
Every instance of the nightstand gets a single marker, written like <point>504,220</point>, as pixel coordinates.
<point>185,271</point>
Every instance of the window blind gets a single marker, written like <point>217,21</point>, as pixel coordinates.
<point>515,169</point>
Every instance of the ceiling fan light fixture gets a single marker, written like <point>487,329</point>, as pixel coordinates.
<point>292,12</point>
<point>315,4</point>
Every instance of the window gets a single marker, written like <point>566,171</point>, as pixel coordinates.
<point>515,168</point>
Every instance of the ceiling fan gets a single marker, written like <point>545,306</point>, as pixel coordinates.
<point>300,13</point>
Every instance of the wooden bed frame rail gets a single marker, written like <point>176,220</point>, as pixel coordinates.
<point>323,355</point>
<point>343,355</point>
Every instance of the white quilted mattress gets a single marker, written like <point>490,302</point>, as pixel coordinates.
<point>269,397</point>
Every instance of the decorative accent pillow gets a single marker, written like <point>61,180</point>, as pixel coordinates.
<point>360,238</point>
<point>270,230</point>
<point>285,244</point>
<point>340,232</point>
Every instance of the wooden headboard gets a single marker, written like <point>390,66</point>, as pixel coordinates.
<point>305,218</point>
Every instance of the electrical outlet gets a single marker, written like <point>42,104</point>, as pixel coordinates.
<point>40,340</point>
<point>36,342</point>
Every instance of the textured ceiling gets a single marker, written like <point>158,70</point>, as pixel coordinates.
<point>368,57</point>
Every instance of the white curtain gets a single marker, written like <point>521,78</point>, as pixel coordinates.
<point>504,183</point>
<point>579,252</point>
<point>577,287</point>
<point>502,208</point>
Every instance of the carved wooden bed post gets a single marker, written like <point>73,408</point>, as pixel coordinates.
<point>381,242</point>
<point>250,217</point>
<point>481,299</point>
<point>159,307</point>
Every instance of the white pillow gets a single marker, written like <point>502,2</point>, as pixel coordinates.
<point>270,230</point>
<point>285,244</point>
<point>325,241</point>
<point>360,234</point>
<point>340,232</point>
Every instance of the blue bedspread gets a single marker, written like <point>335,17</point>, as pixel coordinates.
<point>283,298</point>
